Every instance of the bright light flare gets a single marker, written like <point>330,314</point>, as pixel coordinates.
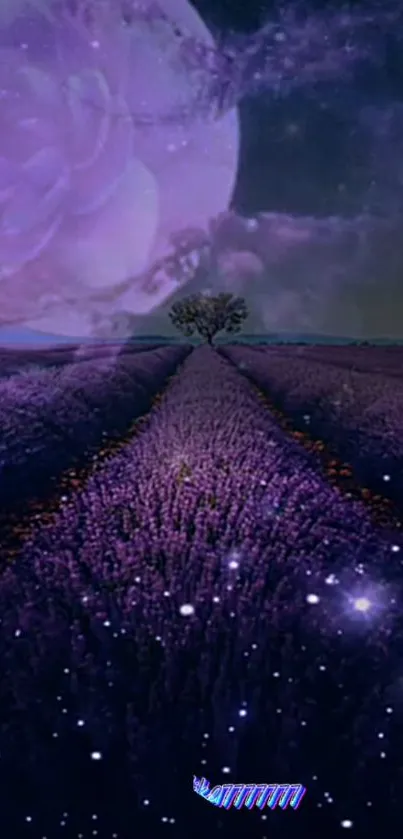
<point>366,604</point>
<point>362,604</point>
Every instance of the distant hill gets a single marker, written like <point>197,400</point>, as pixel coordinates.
<point>29,339</point>
<point>289,338</point>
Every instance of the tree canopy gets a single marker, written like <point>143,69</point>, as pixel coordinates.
<point>207,315</point>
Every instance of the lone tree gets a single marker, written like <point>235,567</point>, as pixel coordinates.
<point>207,315</point>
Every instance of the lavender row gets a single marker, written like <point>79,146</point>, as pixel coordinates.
<point>359,415</point>
<point>50,419</point>
<point>191,611</point>
<point>14,361</point>
<point>383,361</point>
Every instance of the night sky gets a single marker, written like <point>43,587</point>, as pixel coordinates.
<point>329,149</point>
<point>325,154</point>
<point>319,175</point>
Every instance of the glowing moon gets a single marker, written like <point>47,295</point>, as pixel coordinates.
<point>120,187</point>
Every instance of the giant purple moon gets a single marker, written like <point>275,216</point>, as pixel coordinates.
<point>104,157</point>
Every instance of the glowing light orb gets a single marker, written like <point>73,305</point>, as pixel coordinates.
<point>187,609</point>
<point>312,599</point>
<point>362,604</point>
<point>104,157</point>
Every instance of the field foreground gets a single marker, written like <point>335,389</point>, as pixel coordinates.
<point>285,665</point>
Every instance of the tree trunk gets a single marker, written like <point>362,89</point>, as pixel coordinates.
<point>210,340</point>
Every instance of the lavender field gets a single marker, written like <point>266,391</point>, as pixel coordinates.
<point>334,396</point>
<point>201,573</point>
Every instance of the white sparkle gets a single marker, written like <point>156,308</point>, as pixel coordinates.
<point>312,599</point>
<point>187,609</point>
<point>362,604</point>
<point>242,713</point>
<point>96,756</point>
<point>226,770</point>
<point>346,823</point>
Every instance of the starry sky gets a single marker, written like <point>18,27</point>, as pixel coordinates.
<point>313,233</point>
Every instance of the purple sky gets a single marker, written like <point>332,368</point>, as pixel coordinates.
<point>295,123</point>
